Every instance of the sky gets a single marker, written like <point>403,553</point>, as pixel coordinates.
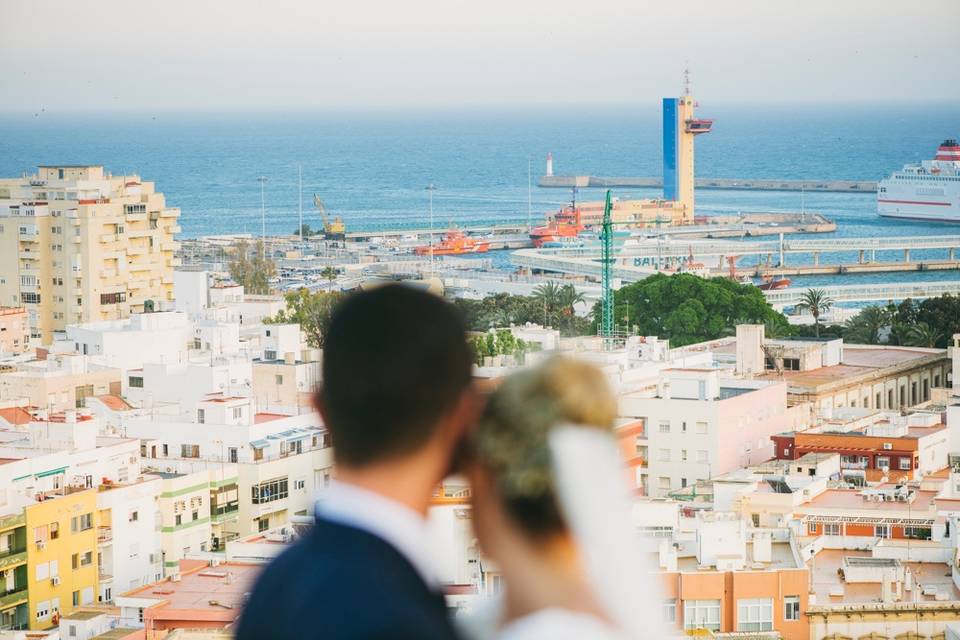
<point>63,55</point>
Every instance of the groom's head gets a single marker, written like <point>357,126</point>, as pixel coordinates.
<point>396,369</point>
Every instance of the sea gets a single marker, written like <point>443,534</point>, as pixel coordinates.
<point>372,166</point>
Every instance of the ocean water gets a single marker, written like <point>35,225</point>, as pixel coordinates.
<point>371,167</point>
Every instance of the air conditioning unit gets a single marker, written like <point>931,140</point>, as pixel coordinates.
<point>887,446</point>
<point>41,544</point>
<point>55,581</point>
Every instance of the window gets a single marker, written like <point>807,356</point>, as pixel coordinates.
<point>237,413</point>
<point>200,416</point>
<point>299,484</point>
<point>190,450</point>
<point>701,428</point>
<point>75,561</point>
<point>683,455</point>
<point>43,571</point>
<point>683,427</point>
<point>263,524</point>
<point>811,528</point>
<point>701,614</point>
<point>166,451</point>
<point>664,455</point>
<point>755,518</point>
<point>196,515</point>
<point>269,354</point>
<point>831,529</point>
<point>279,379</point>
<point>29,297</point>
<point>178,520</point>
<point>918,533</point>
<point>664,482</point>
<point>81,523</point>
<point>670,610</point>
<point>269,491</point>
<point>43,610</point>
<point>136,382</point>
<point>883,462</point>
<point>905,464</point>
<point>791,364</point>
<point>683,483</point>
<point>113,298</point>
<point>86,558</point>
<point>664,426</point>
<point>76,598</point>
<point>54,530</point>
<point>232,454</point>
<point>881,530</point>
<point>134,516</point>
<point>755,614</point>
<point>791,607</point>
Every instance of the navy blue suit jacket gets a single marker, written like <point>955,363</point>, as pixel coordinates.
<point>341,582</point>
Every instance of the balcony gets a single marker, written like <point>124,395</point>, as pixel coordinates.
<point>30,235</point>
<point>104,535</point>
<point>108,237</point>
<point>225,514</point>
<point>12,558</point>
<point>170,213</point>
<point>11,598</point>
<point>26,254</point>
<point>136,251</point>
<point>13,521</point>
<point>108,273</point>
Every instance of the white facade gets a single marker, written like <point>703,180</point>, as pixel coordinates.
<point>127,344</point>
<point>128,539</point>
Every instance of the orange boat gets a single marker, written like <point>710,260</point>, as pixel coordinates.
<point>454,243</point>
<point>771,284</point>
<point>566,224</point>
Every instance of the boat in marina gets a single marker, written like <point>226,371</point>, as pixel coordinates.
<point>454,243</point>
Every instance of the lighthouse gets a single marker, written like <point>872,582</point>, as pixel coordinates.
<point>549,164</point>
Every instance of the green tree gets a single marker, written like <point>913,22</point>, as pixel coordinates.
<point>817,302</point>
<point>305,228</point>
<point>923,335</point>
<point>686,308</point>
<point>310,310</point>
<point>550,298</point>
<point>943,314</point>
<point>251,267</point>
<point>868,326</point>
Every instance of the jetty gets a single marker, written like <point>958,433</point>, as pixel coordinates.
<point>732,184</point>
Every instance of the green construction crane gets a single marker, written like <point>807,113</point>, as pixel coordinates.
<point>606,282</point>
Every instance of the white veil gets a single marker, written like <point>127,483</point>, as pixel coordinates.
<point>591,485</point>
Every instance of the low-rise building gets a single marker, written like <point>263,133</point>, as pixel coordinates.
<point>58,383</point>
<point>14,331</point>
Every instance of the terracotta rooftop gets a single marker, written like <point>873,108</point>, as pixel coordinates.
<point>115,403</point>
<point>15,415</point>
<point>847,499</point>
<point>203,593</point>
<point>259,418</point>
<point>927,576</point>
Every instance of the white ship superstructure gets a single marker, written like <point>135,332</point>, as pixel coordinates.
<point>926,191</point>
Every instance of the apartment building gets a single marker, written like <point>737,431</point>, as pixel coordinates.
<point>873,445</point>
<point>80,245</point>
<point>57,383</point>
<point>187,510</point>
<point>696,424</point>
<point>729,578</point>
<point>280,461</point>
<point>14,331</point>
<point>14,609</point>
<point>828,373</point>
<point>128,539</point>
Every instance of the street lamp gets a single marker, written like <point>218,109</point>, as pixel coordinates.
<point>430,189</point>
<point>263,210</point>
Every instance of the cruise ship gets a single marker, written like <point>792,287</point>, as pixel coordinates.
<point>926,191</point>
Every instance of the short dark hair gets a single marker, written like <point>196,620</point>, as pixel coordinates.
<point>395,361</point>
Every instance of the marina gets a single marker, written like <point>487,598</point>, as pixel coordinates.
<point>738,184</point>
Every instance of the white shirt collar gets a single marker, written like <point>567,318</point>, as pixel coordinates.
<point>397,524</point>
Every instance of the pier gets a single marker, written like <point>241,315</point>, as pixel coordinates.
<point>736,184</point>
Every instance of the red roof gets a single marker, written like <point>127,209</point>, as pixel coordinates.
<point>267,417</point>
<point>15,415</point>
<point>115,403</point>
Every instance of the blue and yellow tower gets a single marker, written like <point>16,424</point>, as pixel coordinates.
<point>680,127</point>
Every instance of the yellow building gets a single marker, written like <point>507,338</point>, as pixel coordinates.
<point>80,245</point>
<point>61,556</point>
<point>14,613</point>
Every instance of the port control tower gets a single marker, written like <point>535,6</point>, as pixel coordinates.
<point>680,127</point>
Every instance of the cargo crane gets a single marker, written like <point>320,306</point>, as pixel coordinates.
<point>332,229</point>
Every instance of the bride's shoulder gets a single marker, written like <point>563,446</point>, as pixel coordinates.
<point>559,624</point>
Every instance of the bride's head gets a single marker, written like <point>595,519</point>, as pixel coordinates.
<point>512,472</point>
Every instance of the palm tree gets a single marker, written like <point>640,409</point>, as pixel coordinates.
<point>330,274</point>
<point>548,296</point>
<point>569,297</point>
<point>816,301</point>
<point>923,335</point>
<point>866,326</point>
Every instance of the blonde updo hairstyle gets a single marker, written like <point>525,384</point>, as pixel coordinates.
<point>512,436</point>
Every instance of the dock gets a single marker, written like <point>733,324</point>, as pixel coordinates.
<point>738,184</point>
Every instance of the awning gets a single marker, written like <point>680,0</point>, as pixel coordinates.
<point>43,474</point>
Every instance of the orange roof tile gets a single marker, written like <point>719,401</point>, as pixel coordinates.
<point>15,415</point>
<point>115,403</point>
